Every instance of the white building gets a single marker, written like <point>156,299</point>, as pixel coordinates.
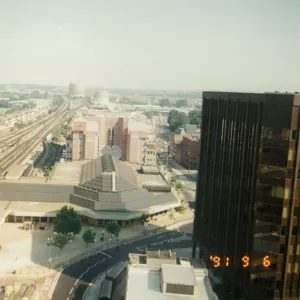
<point>158,275</point>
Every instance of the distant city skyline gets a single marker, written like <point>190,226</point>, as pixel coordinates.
<point>152,45</point>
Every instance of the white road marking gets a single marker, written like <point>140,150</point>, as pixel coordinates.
<point>90,254</point>
<point>54,284</point>
<point>71,290</point>
<point>92,267</point>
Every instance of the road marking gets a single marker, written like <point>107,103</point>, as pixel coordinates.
<point>91,254</point>
<point>71,291</point>
<point>105,254</point>
<point>54,284</point>
<point>92,267</point>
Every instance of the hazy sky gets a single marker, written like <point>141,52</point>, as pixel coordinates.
<point>152,44</point>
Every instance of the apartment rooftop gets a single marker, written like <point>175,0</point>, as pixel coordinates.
<point>161,277</point>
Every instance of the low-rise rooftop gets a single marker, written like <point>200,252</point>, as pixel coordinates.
<point>178,274</point>
<point>147,281</point>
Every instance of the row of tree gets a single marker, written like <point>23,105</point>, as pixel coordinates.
<point>68,223</point>
<point>165,102</point>
<point>178,119</point>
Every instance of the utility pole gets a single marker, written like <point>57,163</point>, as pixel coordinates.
<point>106,267</point>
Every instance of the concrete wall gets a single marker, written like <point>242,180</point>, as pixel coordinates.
<point>90,146</point>
<point>86,193</point>
<point>82,202</point>
<point>133,149</point>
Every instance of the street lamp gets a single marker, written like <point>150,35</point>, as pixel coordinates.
<point>102,236</point>
<point>49,245</point>
<point>108,241</point>
<point>168,156</point>
<point>189,165</point>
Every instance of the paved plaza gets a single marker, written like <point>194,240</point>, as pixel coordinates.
<point>24,250</point>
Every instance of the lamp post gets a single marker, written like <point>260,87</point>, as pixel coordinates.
<point>189,164</point>
<point>168,156</point>
<point>108,241</point>
<point>172,217</point>
<point>49,245</point>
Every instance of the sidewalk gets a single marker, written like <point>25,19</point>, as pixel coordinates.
<point>29,254</point>
<point>42,285</point>
<point>45,279</point>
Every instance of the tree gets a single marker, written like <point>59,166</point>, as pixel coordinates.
<point>60,241</point>
<point>178,185</point>
<point>173,179</point>
<point>195,117</point>
<point>143,218</point>
<point>181,209</point>
<point>89,236</point>
<point>113,228</point>
<point>181,103</point>
<point>149,114</point>
<point>177,119</point>
<point>164,102</point>
<point>67,220</point>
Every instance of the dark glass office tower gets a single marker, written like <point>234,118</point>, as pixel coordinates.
<point>248,191</point>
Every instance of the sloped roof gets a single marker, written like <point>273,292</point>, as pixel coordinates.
<point>97,174</point>
<point>107,163</point>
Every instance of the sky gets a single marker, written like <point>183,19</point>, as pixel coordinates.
<point>250,45</point>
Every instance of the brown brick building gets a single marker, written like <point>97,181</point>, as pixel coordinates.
<point>190,151</point>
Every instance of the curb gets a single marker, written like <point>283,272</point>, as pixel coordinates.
<point>131,239</point>
<point>61,265</point>
<point>85,292</point>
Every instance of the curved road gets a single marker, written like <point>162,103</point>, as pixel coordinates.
<point>74,279</point>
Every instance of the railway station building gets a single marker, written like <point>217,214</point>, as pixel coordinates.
<point>108,189</point>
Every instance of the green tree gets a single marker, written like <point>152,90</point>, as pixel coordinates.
<point>67,220</point>
<point>181,209</point>
<point>176,119</point>
<point>181,103</point>
<point>195,117</point>
<point>60,241</point>
<point>143,218</point>
<point>89,236</point>
<point>113,228</point>
<point>173,180</point>
<point>149,114</point>
<point>178,185</point>
<point>164,102</point>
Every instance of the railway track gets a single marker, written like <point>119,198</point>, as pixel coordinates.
<point>13,136</point>
<point>18,154</point>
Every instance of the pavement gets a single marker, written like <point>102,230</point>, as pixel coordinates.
<point>76,277</point>
<point>46,279</point>
<point>188,179</point>
<point>27,251</point>
<point>43,284</point>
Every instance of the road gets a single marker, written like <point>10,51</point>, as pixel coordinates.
<point>74,279</point>
<point>32,192</point>
<point>188,179</point>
